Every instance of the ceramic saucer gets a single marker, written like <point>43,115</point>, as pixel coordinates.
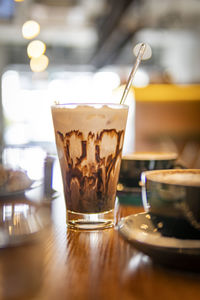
<point>147,234</point>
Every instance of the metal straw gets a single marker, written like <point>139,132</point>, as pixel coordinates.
<point>133,71</point>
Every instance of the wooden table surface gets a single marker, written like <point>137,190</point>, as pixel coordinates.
<point>95,265</point>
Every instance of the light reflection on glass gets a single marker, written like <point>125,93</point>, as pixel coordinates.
<point>144,226</point>
<point>16,219</point>
<point>160,225</point>
<point>7,212</point>
<point>148,216</point>
<point>22,209</point>
<point>10,230</point>
<point>14,211</point>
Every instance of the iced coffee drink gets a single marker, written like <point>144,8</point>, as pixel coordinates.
<point>89,139</point>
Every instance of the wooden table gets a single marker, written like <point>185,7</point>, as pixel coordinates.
<point>95,265</point>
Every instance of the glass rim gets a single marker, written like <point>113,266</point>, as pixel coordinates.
<point>92,104</point>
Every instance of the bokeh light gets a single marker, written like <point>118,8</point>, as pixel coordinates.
<point>30,29</point>
<point>39,64</point>
<point>110,80</point>
<point>36,48</point>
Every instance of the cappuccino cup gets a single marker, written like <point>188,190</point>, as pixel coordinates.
<point>174,197</point>
<point>134,164</point>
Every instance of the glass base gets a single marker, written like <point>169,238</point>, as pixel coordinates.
<point>90,221</point>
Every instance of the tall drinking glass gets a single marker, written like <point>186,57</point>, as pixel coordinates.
<point>89,139</point>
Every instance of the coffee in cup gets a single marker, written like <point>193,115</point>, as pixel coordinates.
<point>134,164</point>
<point>173,196</point>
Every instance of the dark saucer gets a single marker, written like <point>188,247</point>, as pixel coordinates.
<point>145,233</point>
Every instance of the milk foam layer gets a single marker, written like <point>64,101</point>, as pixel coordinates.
<point>178,177</point>
<point>89,118</point>
<point>150,156</point>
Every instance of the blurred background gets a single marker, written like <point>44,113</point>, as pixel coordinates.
<point>81,50</point>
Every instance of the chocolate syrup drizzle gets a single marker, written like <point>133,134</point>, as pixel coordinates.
<point>95,190</point>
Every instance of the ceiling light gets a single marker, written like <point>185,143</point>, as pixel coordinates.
<point>36,48</point>
<point>39,64</point>
<point>30,29</point>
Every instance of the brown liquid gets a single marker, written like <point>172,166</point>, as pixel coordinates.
<point>90,178</point>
